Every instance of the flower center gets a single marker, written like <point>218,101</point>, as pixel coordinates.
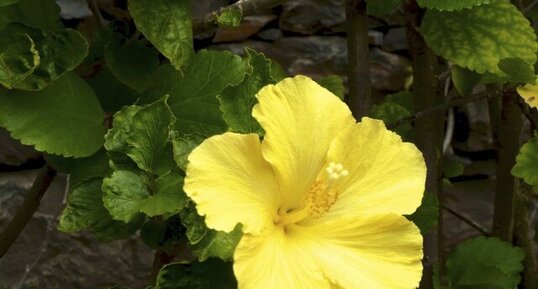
<point>318,199</point>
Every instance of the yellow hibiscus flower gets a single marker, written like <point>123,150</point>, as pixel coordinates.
<point>320,199</point>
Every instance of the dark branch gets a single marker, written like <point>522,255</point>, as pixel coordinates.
<point>467,221</point>
<point>27,209</point>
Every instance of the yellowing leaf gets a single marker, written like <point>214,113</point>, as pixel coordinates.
<point>529,92</point>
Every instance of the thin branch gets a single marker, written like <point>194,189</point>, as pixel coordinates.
<point>437,108</point>
<point>360,93</point>
<point>27,209</point>
<point>94,7</point>
<point>530,6</point>
<point>247,7</point>
<point>530,114</point>
<point>467,221</point>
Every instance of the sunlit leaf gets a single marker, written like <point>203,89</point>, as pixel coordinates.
<point>183,146</point>
<point>334,84</point>
<point>64,118</point>
<point>236,102</point>
<point>485,263</point>
<point>211,274</point>
<point>230,18</point>
<point>18,58</point>
<point>59,52</point>
<point>168,197</point>
<point>193,94</point>
<point>148,138</point>
<point>480,37</point>
<point>85,211</point>
<point>529,92</point>
<point>451,5</point>
<point>527,162</point>
<point>124,191</point>
<point>167,24</point>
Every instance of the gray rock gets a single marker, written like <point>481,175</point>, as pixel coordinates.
<point>318,56</point>
<point>43,257</point>
<point>12,152</point>
<point>271,34</point>
<point>311,16</point>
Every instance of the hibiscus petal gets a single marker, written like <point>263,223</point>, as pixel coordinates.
<point>231,183</point>
<point>276,260</point>
<point>300,119</point>
<point>382,252</point>
<point>386,175</point>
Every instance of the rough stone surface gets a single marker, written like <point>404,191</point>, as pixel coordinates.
<point>311,16</point>
<point>318,56</point>
<point>12,152</point>
<point>43,257</point>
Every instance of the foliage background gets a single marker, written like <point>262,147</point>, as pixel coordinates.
<point>305,37</point>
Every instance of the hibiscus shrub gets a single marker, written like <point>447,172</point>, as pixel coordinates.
<point>239,175</point>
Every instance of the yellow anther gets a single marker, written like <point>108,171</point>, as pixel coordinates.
<point>339,167</point>
<point>344,173</point>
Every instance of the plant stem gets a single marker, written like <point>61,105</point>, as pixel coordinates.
<point>161,258</point>
<point>429,134</point>
<point>437,109</point>
<point>27,209</point>
<point>467,220</point>
<point>359,99</point>
<point>508,135</point>
<point>524,240</point>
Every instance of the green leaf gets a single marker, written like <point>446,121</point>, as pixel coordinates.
<point>485,263</point>
<point>168,197</point>
<point>133,63</point>
<point>207,243</point>
<point>391,112</point>
<point>382,7</point>
<point>8,2</point>
<point>480,37</point>
<point>42,14</point>
<point>18,58</point>
<point>425,217</point>
<point>59,51</point>
<point>230,18</point>
<point>452,168</point>
<point>153,233</point>
<point>211,274</point>
<point>217,244</point>
<point>183,146</point>
<point>334,84</point>
<point>167,24</point>
<point>526,166</point>
<point>85,210</point>
<point>277,71</point>
<point>65,118</point>
<point>236,102</point>
<point>194,223</point>
<point>193,95</point>
<point>451,5</point>
<point>148,138</point>
<point>464,80</point>
<point>124,191</point>
<point>518,71</point>
<point>82,169</point>
<point>112,94</point>
<point>116,137</point>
